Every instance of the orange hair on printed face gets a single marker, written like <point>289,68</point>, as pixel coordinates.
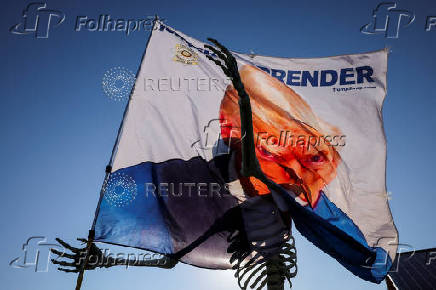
<point>277,108</point>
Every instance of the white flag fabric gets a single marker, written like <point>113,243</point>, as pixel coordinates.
<point>318,131</point>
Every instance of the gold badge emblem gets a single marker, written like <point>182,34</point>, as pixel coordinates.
<point>185,55</point>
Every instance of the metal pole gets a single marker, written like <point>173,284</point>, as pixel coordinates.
<point>82,269</point>
<point>91,234</point>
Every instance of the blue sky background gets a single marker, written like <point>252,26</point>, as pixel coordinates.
<point>58,127</point>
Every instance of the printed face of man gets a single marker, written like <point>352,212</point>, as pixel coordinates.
<point>290,147</point>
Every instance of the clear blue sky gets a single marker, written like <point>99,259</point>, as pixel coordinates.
<point>58,127</point>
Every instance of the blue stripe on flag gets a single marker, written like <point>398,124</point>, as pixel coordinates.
<point>129,217</point>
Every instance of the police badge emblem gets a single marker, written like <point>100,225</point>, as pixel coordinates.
<point>185,55</point>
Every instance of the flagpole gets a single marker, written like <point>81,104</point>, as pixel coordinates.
<point>91,233</point>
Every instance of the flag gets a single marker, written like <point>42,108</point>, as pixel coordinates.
<point>175,185</point>
<point>413,270</point>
